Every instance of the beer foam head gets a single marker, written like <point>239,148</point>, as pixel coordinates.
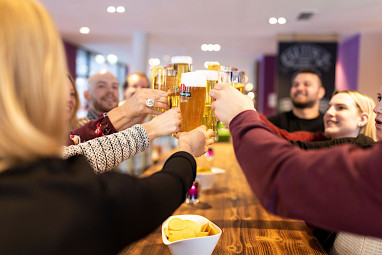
<point>193,79</point>
<point>181,60</point>
<point>210,74</point>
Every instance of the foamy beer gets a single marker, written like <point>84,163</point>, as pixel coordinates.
<point>234,78</point>
<point>209,118</point>
<point>192,99</point>
<point>165,79</point>
<point>181,64</point>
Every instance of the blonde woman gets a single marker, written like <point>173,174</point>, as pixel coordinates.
<point>61,206</point>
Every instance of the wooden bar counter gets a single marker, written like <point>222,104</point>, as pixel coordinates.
<point>247,227</point>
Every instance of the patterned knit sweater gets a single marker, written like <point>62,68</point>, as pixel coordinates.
<point>106,152</point>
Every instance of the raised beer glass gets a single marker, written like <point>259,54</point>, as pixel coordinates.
<point>234,78</point>
<point>209,119</point>
<point>181,64</point>
<point>192,100</point>
<point>165,79</point>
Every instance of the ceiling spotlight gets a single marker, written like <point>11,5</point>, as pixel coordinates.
<point>112,59</point>
<point>84,30</point>
<point>166,58</point>
<point>216,47</point>
<point>99,59</point>
<point>154,62</point>
<point>110,9</point>
<point>281,20</point>
<point>210,47</point>
<point>272,20</point>
<point>120,9</point>
<point>251,95</point>
<point>248,87</point>
<point>204,47</point>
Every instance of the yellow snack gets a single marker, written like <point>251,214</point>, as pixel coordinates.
<point>203,169</point>
<point>184,229</point>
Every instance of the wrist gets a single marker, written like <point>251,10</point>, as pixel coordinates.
<point>150,130</point>
<point>185,147</point>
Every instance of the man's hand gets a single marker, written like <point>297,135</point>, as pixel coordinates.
<point>229,102</point>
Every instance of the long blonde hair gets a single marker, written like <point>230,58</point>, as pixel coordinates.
<point>32,79</point>
<point>364,104</point>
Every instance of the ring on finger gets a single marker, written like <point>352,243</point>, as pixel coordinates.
<point>150,102</point>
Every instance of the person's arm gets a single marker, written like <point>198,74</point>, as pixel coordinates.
<point>293,136</point>
<point>106,152</point>
<point>337,188</point>
<point>130,113</point>
<point>142,204</point>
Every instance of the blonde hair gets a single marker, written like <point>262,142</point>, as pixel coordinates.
<point>364,104</point>
<point>74,120</point>
<point>33,91</point>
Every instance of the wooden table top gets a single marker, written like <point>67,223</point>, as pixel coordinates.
<point>230,204</point>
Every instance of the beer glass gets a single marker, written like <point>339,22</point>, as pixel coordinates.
<point>234,78</point>
<point>181,64</point>
<point>209,118</point>
<point>192,99</point>
<point>165,79</point>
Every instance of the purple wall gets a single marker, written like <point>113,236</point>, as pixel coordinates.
<point>71,54</point>
<point>347,64</point>
<point>266,83</point>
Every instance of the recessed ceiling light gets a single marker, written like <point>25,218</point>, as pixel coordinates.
<point>110,9</point>
<point>84,30</point>
<point>272,20</point>
<point>120,9</point>
<point>99,59</point>
<point>217,47</point>
<point>281,20</point>
<point>249,87</point>
<point>251,95</point>
<point>204,47</point>
<point>112,59</point>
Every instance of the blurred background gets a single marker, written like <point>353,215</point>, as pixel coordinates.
<point>125,36</point>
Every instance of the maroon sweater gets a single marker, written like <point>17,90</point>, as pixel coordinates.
<point>338,188</point>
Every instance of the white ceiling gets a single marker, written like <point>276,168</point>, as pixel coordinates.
<point>178,27</point>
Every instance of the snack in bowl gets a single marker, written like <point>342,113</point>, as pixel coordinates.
<point>190,235</point>
<point>183,229</point>
<point>207,175</point>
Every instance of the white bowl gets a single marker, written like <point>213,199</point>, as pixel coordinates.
<point>207,179</point>
<point>193,246</point>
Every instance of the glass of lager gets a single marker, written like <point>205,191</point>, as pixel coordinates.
<point>165,79</point>
<point>209,118</point>
<point>192,99</point>
<point>181,64</point>
<point>234,78</point>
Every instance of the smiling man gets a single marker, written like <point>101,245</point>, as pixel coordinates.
<point>102,93</point>
<point>306,93</point>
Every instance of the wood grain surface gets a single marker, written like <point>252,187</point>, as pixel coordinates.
<point>247,227</point>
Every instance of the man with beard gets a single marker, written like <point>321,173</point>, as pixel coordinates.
<point>306,93</point>
<point>102,93</point>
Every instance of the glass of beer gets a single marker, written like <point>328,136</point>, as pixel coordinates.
<point>165,79</point>
<point>234,78</point>
<point>209,118</point>
<point>181,64</point>
<point>192,99</point>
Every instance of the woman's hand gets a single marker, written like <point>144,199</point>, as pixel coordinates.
<point>196,141</point>
<point>164,124</point>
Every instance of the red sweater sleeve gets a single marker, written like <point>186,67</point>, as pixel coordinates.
<point>294,136</point>
<point>337,188</point>
<point>92,129</point>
